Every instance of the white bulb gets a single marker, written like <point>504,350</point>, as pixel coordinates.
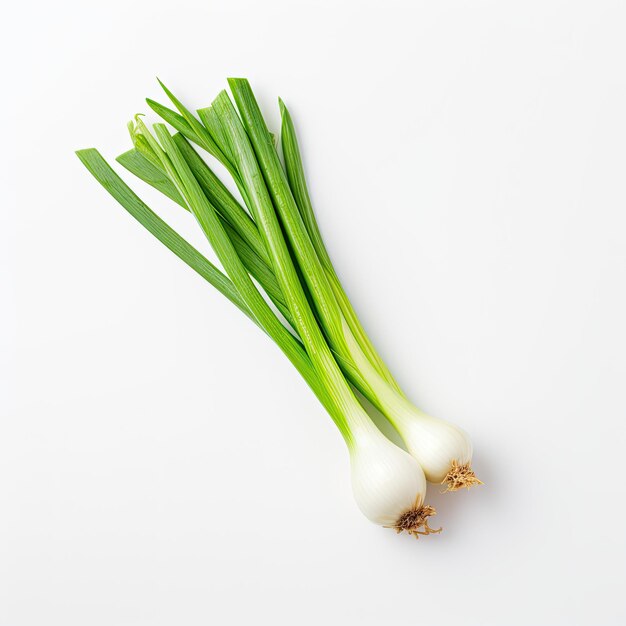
<point>442,449</point>
<point>438,445</point>
<point>386,481</point>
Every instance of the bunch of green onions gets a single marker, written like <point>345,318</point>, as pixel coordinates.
<point>270,242</point>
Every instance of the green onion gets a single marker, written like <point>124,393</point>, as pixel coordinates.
<point>388,484</point>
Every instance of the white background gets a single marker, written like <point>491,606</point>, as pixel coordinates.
<point>162,463</point>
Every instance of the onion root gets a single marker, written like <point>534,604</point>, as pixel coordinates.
<point>460,477</point>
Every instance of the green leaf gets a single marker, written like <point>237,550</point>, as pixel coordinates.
<point>174,119</point>
<point>141,167</point>
<point>253,176</point>
<point>137,164</point>
<point>108,178</point>
<point>220,197</point>
<point>206,140</point>
<point>211,121</point>
<point>327,308</point>
<point>298,185</point>
<point>215,232</point>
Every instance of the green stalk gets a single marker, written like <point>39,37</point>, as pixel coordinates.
<point>261,272</point>
<point>329,312</point>
<point>299,187</point>
<point>284,269</point>
<point>186,123</point>
<point>108,178</point>
<point>212,122</point>
<point>209,183</point>
<point>320,289</point>
<point>139,165</point>
<point>292,348</point>
<point>278,187</point>
<point>246,240</point>
<point>219,195</point>
<point>198,130</point>
<point>180,173</point>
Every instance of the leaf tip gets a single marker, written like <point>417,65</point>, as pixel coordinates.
<point>86,155</point>
<point>234,81</point>
<point>170,95</point>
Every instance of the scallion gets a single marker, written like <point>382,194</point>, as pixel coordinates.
<point>388,484</point>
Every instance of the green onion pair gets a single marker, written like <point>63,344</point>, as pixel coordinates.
<point>272,239</point>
